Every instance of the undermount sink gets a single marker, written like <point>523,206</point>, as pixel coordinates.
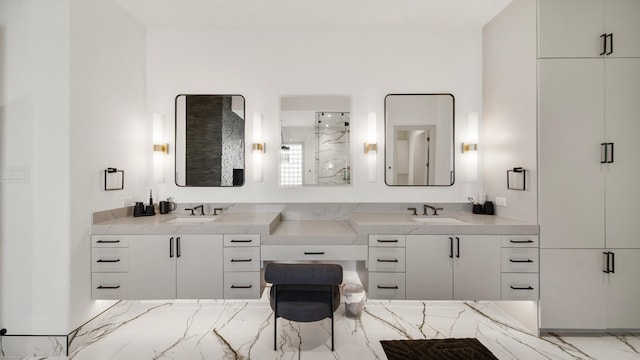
<point>437,220</point>
<point>190,220</point>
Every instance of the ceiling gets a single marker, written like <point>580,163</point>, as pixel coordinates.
<point>313,14</point>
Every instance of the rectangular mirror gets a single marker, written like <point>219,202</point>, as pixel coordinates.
<point>209,140</point>
<point>315,140</point>
<point>419,139</point>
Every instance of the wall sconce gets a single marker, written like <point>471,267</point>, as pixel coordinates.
<point>469,147</point>
<point>160,148</point>
<point>257,147</point>
<point>371,146</point>
<point>469,158</point>
<point>163,148</point>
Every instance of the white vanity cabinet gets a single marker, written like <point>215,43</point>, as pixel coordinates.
<point>459,267</point>
<point>588,28</point>
<point>198,261</point>
<point>386,267</point>
<point>160,267</point>
<point>242,266</point>
<point>109,266</point>
<point>520,267</point>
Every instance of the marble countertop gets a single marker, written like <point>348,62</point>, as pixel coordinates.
<point>274,230</point>
<point>327,232</point>
<point>381,223</point>
<point>248,223</point>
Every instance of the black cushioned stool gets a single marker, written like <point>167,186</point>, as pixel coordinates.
<point>303,292</point>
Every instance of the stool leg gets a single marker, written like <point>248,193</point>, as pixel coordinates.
<point>331,332</point>
<point>332,297</point>
<point>275,331</point>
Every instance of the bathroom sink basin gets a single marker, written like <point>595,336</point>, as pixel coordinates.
<point>437,220</point>
<point>191,220</point>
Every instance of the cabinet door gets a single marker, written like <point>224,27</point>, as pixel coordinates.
<point>152,267</point>
<point>622,128</point>
<point>623,292</point>
<point>572,289</point>
<point>476,267</point>
<point>429,272</point>
<point>622,19</point>
<point>570,28</point>
<point>571,120</point>
<point>199,267</point>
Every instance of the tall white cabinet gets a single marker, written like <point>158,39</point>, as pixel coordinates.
<point>589,118</point>
<point>588,28</point>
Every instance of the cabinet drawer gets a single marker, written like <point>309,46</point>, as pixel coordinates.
<point>108,286</point>
<point>110,259</point>
<point>109,240</point>
<point>242,258</point>
<point>242,285</point>
<point>314,252</point>
<point>520,241</point>
<point>520,287</point>
<point>520,260</point>
<point>386,259</point>
<point>241,239</point>
<point>387,240</point>
<point>386,286</point>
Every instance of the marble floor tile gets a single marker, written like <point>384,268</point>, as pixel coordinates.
<point>233,329</point>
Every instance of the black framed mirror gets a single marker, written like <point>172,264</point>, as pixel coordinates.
<point>419,139</point>
<point>209,140</point>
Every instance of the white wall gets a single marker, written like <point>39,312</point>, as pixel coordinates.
<point>264,64</point>
<point>34,130</point>
<point>72,102</point>
<point>510,110</point>
<point>109,128</point>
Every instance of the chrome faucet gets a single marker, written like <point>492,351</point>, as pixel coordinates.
<point>435,209</point>
<point>201,207</point>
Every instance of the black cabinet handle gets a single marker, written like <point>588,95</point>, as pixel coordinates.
<point>607,256</point>
<point>613,263</point>
<point>610,44</point>
<point>108,287</point>
<point>458,251</point>
<point>521,261</point>
<point>521,241</point>
<point>178,246</point>
<point>171,247</point>
<point>241,260</point>
<point>394,287</point>
<point>450,247</point>
<point>108,241</point>
<point>604,43</point>
<point>241,241</point>
<point>314,252</point>
<point>241,286</point>
<point>387,241</point>
<point>520,287</point>
<point>604,153</point>
<point>610,158</point>
<point>108,261</point>
<point>388,260</point>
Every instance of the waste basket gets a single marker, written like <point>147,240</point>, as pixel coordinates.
<point>354,297</point>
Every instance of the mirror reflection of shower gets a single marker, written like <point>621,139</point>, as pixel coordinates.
<point>315,148</point>
<point>332,144</point>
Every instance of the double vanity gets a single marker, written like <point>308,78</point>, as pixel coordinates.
<point>452,256</point>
